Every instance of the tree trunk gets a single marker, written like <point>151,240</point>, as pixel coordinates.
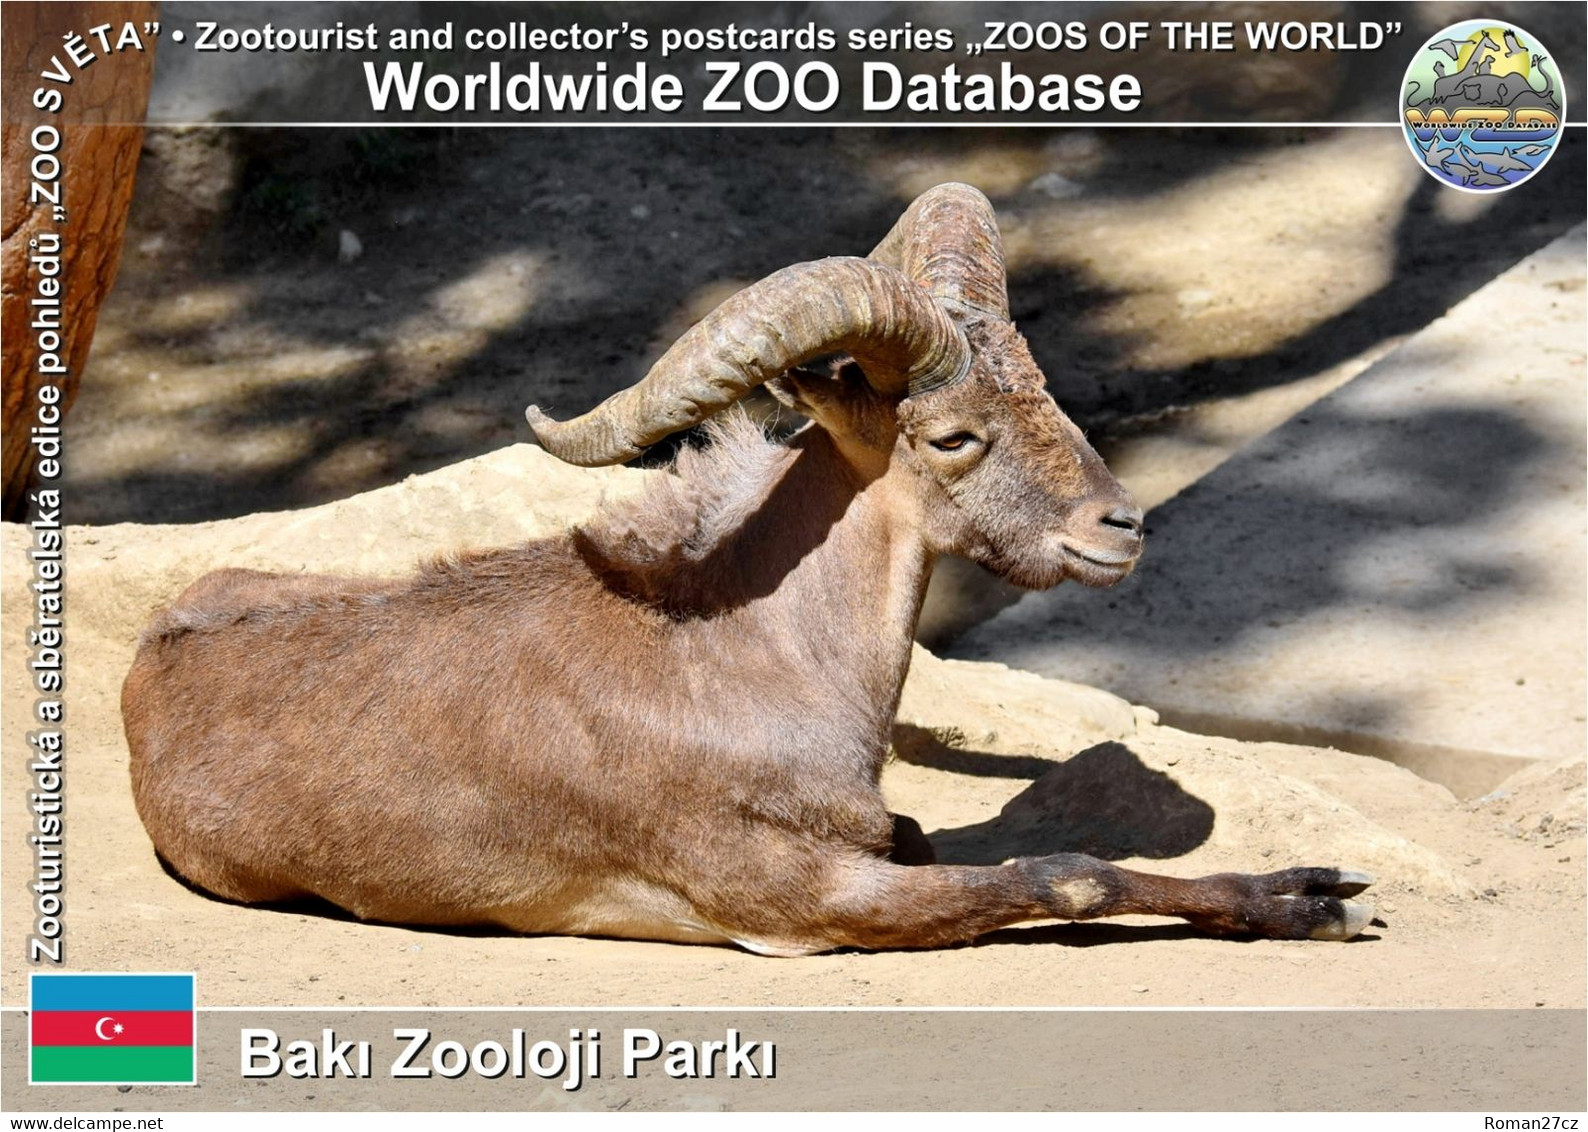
<point>101,133</point>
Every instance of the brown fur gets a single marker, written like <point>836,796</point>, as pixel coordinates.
<point>668,723</point>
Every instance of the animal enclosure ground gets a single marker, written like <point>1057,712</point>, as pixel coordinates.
<point>1482,904</point>
<point>242,367</point>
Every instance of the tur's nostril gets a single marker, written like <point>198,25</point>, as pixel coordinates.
<point>1124,518</point>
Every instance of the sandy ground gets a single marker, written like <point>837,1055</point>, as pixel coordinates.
<point>1179,293</point>
<point>1189,287</point>
<point>1480,904</point>
<point>242,367</point>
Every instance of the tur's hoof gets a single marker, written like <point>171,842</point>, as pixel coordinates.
<point>1354,917</point>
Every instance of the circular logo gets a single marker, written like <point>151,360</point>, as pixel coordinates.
<point>1482,106</point>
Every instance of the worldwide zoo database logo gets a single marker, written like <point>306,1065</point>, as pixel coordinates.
<point>1482,106</point>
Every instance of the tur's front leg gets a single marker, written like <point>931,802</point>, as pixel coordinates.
<point>877,904</point>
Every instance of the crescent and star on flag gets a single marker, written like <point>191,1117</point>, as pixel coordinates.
<point>116,1028</point>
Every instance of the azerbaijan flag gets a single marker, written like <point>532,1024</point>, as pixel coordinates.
<point>111,1030</point>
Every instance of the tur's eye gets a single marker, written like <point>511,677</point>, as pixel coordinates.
<point>953,442</point>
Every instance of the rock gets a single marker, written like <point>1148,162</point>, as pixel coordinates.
<point>993,761</point>
<point>1056,186</point>
<point>1544,802</point>
<point>1398,569</point>
<point>1006,711</point>
<point>1161,795</point>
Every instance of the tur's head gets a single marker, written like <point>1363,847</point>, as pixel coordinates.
<point>943,389</point>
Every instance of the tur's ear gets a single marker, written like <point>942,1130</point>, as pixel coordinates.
<point>841,401</point>
<point>789,389</point>
<point>828,397</point>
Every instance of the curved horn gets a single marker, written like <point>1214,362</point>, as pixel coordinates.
<point>901,338</point>
<point>948,241</point>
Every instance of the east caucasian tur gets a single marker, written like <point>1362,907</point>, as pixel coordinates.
<point>669,722</point>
